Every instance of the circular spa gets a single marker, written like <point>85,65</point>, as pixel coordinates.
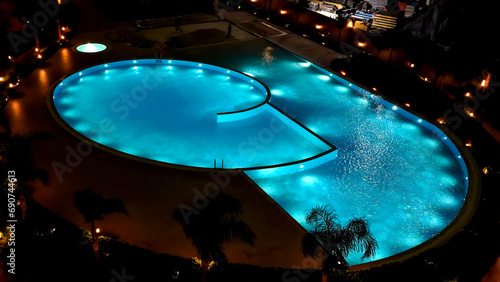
<point>305,136</point>
<point>91,48</point>
<point>182,113</point>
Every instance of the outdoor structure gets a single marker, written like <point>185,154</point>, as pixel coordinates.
<point>246,114</point>
<point>161,121</point>
<point>380,15</point>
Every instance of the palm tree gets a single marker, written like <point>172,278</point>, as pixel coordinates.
<point>16,153</point>
<point>330,241</point>
<point>95,207</point>
<point>209,228</point>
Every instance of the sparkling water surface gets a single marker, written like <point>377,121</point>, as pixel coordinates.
<point>407,181</point>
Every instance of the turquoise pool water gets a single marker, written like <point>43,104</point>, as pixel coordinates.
<point>396,170</point>
<point>182,113</point>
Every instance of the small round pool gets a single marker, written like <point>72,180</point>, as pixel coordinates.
<point>91,48</point>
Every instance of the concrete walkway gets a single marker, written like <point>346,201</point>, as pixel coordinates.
<point>193,35</point>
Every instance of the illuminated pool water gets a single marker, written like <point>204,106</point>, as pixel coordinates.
<point>395,169</point>
<point>184,113</point>
<point>398,171</point>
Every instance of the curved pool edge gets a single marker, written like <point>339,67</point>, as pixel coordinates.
<point>248,112</point>
<point>325,155</point>
<point>472,198</point>
<point>463,217</point>
<point>55,114</point>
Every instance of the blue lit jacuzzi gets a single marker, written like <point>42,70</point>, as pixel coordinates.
<point>304,135</point>
<point>91,48</point>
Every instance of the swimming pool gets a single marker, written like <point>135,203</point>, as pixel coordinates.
<point>198,115</point>
<point>391,167</point>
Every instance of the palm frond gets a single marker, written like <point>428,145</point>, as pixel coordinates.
<point>85,202</point>
<point>110,205</point>
<point>94,207</point>
<point>337,241</point>
<point>359,238</point>
<point>218,223</point>
<point>190,227</point>
<point>31,173</point>
<point>370,246</point>
<point>31,138</point>
<point>237,230</point>
<point>322,218</point>
<point>310,245</point>
<point>179,214</point>
<point>224,204</point>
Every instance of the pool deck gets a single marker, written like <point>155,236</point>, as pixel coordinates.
<point>152,197</point>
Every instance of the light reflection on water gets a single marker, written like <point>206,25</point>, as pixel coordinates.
<point>388,169</point>
<point>391,171</point>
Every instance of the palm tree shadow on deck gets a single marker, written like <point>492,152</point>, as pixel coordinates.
<point>209,228</point>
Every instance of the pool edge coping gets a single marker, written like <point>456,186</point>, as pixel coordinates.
<point>55,114</point>
<point>461,219</point>
<point>471,202</point>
